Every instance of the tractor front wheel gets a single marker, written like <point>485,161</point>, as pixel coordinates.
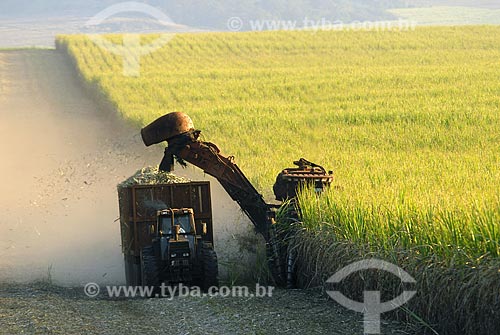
<point>149,268</point>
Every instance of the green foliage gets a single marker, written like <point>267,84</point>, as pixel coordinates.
<point>461,235</point>
<point>409,115</point>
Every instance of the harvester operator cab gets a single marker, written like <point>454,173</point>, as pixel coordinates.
<point>289,181</point>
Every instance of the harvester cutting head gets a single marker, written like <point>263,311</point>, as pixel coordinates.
<point>166,128</point>
<point>290,180</point>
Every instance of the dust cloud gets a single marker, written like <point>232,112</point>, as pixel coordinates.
<point>61,159</point>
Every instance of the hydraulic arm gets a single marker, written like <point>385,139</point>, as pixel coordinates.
<point>205,155</point>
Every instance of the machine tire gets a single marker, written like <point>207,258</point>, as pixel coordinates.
<point>210,267</point>
<point>150,272</point>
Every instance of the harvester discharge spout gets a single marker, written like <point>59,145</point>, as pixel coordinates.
<point>176,128</point>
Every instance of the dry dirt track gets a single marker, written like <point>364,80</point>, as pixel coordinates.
<point>60,161</point>
<point>46,310</point>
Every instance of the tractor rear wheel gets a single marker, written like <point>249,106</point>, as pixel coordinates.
<point>150,269</point>
<point>210,267</point>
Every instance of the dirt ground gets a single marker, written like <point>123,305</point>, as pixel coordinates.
<point>61,160</point>
<point>43,309</point>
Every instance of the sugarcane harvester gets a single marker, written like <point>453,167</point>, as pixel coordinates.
<point>184,145</point>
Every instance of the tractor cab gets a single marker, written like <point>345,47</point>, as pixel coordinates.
<point>175,223</point>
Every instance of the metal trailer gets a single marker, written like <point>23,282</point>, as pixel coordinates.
<point>139,205</point>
